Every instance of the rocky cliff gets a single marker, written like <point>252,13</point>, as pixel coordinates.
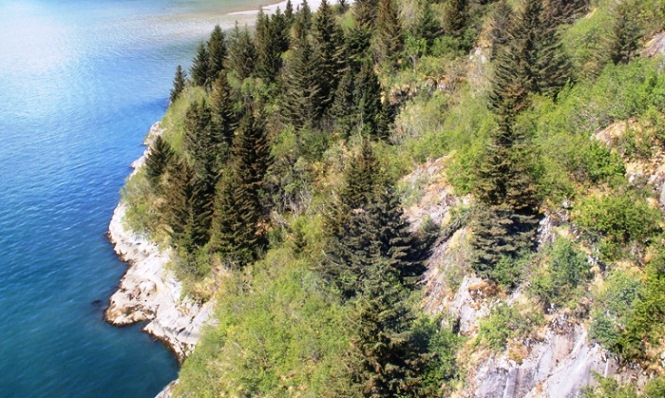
<point>149,292</point>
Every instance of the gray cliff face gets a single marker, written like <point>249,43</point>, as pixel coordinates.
<point>557,363</point>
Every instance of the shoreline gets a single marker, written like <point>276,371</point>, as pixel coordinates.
<point>148,291</point>
<point>272,8</point>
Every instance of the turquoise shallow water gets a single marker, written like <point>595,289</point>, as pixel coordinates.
<point>80,84</point>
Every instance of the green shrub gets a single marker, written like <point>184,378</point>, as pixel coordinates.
<point>601,163</point>
<point>563,274</point>
<point>442,343</point>
<point>508,271</point>
<point>618,220</point>
<point>614,308</point>
<point>277,333</point>
<point>610,388</point>
<point>505,323</point>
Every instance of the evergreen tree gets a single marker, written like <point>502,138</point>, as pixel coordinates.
<point>177,197</point>
<point>223,119</point>
<point>289,16</point>
<point>626,35</point>
<point>327,45</point>
<point>159,156</point>
<point>242,53</point>
<point>188,210</point>
<point>199,216</point>
<point>393,234</point>
<point>566,11</point>
<point>343,107</point>
<point>240,218</point>
<point>304,18</point>
<point>355,50</point>
<point>455,18</point>
<point>532,61</point>
<point>365,13</point>
<point>198,138</point>
<point>271,40</point>
<point>179,82</point>
<point>304,97</point>
<point>508,219</point>
<point>427,27</point>
<point>367,99</point>
<point>361,179</point>
<point>501,21</point>
<point>217,54</point>
<point>390,42</point>
<point>553,65</point>
<point>200,66</point>
<point>387,361</point>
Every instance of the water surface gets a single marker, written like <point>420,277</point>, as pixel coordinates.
<point>80,84</point>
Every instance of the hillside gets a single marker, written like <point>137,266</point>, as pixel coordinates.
<point>419,198</point>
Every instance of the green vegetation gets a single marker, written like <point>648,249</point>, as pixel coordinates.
<point>506,323</point>
<point>275,181</point>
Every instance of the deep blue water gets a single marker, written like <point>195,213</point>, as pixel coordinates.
<point>80,84</point>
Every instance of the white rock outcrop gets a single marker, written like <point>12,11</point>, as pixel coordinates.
<point>149,291</point>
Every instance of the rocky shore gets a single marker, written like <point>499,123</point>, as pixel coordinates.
<point>149,292</point>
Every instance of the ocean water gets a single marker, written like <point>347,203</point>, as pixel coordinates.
<point>81,81</point>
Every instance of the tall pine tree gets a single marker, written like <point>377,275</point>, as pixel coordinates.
<point>217,53</point>
<point>159,156</point>
<point>224,120</point>
<point>242,53</point>
<point>328,38</point>
<point>304,97</point>
<point>179,82</point>
<point>390,41</point>
<point>200,66</point>
<point>240,222</point>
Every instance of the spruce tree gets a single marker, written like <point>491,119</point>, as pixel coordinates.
<point>355,50</point>
<point>566,11</point>
<point>553,65</point>
<point>342,7</point>
<point>304,17</point>
<point>365,13</point>
<point>188,209</point>
<point>532,61</point>
<point>361,179</point>
<point>304,97</point>
<point>217,52</point>
<point>240,218</point>
<point>200,66</point>
<point>223,118</point>
<point>271,40</point>
<point>179,82</point>
<point>289,16</point>
<point>427,27</point>
<point>508,219</point>
<point>177,194</point>
<point>626,35</point>
<point>455,18</point>
<point>367,100</point>
<point>390,41</point>
<point>242,53</point>
<point>387,360</point>
<point>501,21</point>
<point>396,241</point>
<point>327,45</point>
<point>342,108</point>
<point>159,156</point>
<point>198,140</point>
